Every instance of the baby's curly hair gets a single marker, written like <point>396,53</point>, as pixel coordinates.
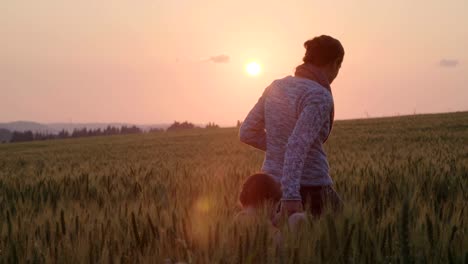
<point>259,189</point>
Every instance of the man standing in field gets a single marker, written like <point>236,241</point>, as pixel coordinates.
<point>291,121</point>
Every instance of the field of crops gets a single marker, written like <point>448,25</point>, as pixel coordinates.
<point>171,197</point>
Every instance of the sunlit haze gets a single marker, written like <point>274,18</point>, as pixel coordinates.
<point>158,61</point>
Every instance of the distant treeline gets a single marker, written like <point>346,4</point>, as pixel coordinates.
<point>5,135</point>
<point>17,136</point>
<point>77,133</point>
<point>186,125</point>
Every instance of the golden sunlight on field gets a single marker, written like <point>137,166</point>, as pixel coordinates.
<point>173,197</point>
<point>199,219</point>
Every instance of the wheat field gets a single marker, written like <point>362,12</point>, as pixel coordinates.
<point>171,197</point>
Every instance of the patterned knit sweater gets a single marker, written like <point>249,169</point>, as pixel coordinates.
<point>290,122</point>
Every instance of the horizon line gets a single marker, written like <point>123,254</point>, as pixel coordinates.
<point>203,123</point>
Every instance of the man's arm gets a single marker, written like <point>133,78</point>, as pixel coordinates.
<point>308,126</point>
<point>252,130</point>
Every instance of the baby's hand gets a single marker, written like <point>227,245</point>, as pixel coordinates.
<point>296,220</point>
<point>287,208</point>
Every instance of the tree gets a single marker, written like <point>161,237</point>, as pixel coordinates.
<point>5,135</point>
<point>79,132</point>
<point>211,125</point>
<point>22,136</point>
<point>130,130</point>
<point>63,134</point>
<point>180,126</point>
<point>110,130</point>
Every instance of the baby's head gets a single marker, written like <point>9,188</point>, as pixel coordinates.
<point>258,190</point>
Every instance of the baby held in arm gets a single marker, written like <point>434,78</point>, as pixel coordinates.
<point>261,192</point>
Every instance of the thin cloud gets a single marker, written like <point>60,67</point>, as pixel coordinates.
<point>448,63</point>
<point>219,58</point>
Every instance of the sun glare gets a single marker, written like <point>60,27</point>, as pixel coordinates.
<point>253,68</point>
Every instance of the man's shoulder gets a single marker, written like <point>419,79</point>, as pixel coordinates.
<point>316,93</point>
<point>307,91</point>
<point>307,84</point>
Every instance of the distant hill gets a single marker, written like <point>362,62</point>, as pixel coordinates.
<point>22,126</point>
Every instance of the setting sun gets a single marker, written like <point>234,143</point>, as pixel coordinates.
<point>253,68</point>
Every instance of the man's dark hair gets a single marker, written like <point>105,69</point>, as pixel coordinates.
<point>259,189</point>
<point>323,50</point>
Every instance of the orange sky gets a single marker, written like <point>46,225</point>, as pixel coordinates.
<point>148,61</point>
